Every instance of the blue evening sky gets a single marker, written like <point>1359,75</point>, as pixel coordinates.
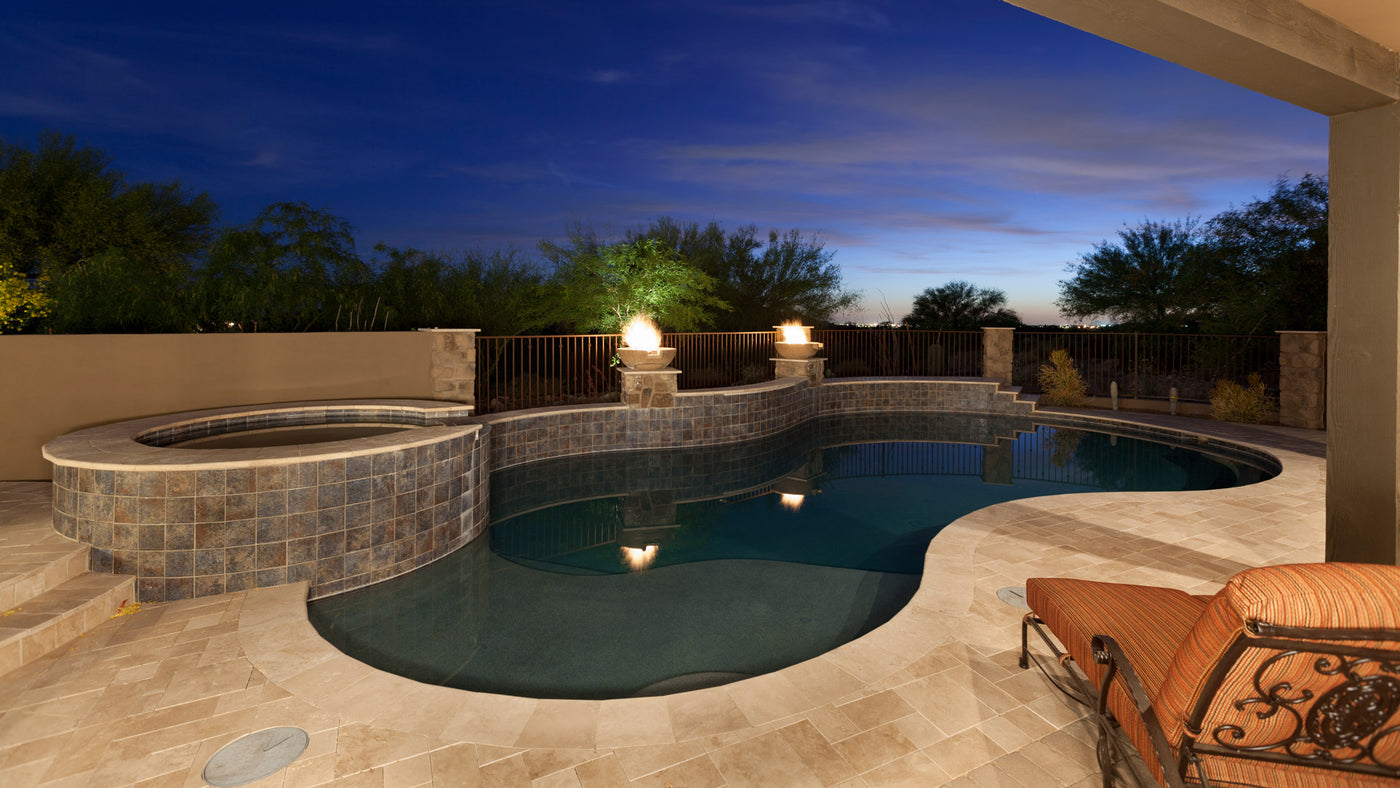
<point>923,142</point>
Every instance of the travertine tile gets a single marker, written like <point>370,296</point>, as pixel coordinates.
<point>817,753</point>
<point>875,747</point>
<point>956,712</point>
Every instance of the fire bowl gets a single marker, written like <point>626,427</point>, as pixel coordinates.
<point>797,350</point>
<point>637,358</point>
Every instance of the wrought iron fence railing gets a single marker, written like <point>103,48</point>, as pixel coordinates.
<point>534,371</point>
<point>900,351</point>
<point>1149,366</point>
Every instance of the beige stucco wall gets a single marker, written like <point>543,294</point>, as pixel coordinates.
<point>50,385</point>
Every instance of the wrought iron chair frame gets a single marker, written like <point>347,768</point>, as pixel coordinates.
<point>1349,715</point>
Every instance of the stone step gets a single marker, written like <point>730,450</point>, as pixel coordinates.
<point>39,569</point>
<point>33,557</point>
<point>47,620</point>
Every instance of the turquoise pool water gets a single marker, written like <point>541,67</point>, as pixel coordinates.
<point>641,573</point>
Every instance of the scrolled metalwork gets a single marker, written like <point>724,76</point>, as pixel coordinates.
<point>1342,725</point>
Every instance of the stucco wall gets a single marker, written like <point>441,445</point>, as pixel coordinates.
<point>51,385</point>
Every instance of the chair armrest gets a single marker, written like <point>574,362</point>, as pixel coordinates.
<point>1108,653</point>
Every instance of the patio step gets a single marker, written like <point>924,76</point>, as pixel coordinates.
<point>33,557</point>
<point>46,620</point>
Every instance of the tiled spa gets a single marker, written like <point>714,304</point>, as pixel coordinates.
<point>933,697</point>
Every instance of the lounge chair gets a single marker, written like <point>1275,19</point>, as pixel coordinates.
<point>1290,675</point>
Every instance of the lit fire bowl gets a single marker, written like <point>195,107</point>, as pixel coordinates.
<point>797,350</point>
<point>644,360</point>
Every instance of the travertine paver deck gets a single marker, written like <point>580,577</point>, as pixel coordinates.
<point>933,697</point>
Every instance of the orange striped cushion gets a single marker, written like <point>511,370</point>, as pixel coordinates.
<point>1149,623</point>
<point>1356,596</point>
<point>1349,596</point>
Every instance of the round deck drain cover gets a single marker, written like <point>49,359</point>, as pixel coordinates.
<point>255,756</point>
<point>1014,596</point>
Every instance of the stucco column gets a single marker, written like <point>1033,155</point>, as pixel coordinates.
<point>1363,354</point>
<point>997,354</point>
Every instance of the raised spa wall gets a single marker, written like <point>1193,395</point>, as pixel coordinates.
<point>348,514</point>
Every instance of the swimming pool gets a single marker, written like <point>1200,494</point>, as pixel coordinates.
<point>633,573</point>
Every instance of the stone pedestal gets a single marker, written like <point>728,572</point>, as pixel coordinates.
<point>1302,384</point>
<point>813,369</point>
<point>649,388</point>
<point>998,357</point>
<point>453,365</point>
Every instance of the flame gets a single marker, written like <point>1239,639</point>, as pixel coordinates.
<point>791,501</point>
<point>794,332</point>
<point>639,558</point>
<point>641,334</point>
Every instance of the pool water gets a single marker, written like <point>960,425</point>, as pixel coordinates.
<point>643,573</point>
<point>290,436</point>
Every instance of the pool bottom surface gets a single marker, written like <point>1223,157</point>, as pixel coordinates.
<point>524,631</point>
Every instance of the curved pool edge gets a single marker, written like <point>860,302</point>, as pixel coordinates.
<point>949,654</point>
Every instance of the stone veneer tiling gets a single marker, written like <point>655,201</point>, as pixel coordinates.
<point>702,418</point>
<point>190,523</point>
<point>357,513</point>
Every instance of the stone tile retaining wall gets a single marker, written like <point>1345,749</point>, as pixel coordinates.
<point>191,523</point>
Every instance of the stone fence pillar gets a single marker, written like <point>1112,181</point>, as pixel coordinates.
<point>997,354</point>
<point>452,367</point>
<point>1302,379</point>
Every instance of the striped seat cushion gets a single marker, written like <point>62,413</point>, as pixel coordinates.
<point>1312,596</point>
<point>1149,623</point>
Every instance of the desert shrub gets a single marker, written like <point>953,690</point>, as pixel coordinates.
<point>1251,404</point>
<point>1061,384</point>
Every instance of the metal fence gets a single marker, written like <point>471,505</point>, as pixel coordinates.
<point>1148,366</point>
<point>534,371</point>
<point>715,359</point>
<point>900,352</point>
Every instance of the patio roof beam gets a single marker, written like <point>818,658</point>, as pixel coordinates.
<point>1281,48</point>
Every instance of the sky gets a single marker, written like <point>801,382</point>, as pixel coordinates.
<point>921,142</point>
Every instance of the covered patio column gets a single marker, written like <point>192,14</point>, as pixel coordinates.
<point>1363,359</point>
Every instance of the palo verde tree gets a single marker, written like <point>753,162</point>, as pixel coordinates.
<point>960,306</point>
<point>599,287</point>
<point>1143,281</point>
<point>292,268</point>
<point>764,284</point>
<point>112,256</point>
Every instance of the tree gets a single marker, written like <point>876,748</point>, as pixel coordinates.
<point>1267,262</point>
<point>68,218</point>
<point>960,306</point>
<point>601,286</point>
<point>292,268</point>
<point>790,277</point>
<point>20,299</point>
<point>1143,281</point>
<point>499,293</point>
